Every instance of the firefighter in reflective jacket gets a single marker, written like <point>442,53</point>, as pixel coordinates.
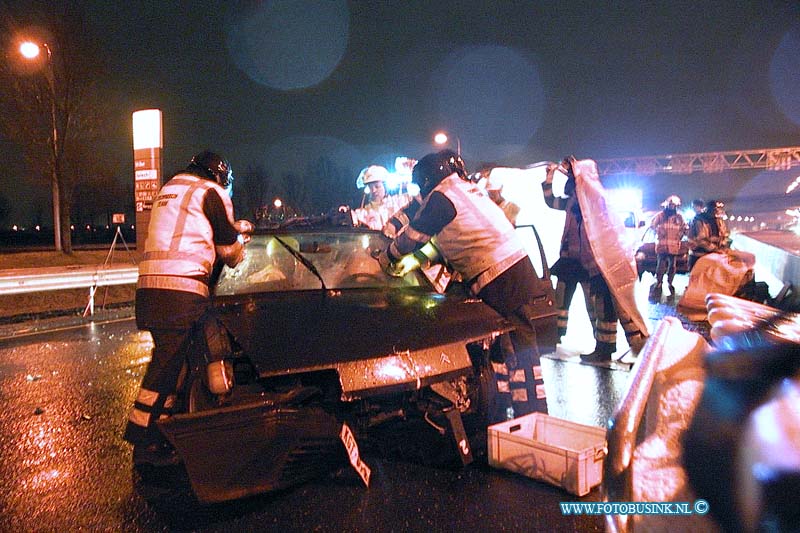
<point>191,228</point>
<point>377,206</point>
<point>475,237</point>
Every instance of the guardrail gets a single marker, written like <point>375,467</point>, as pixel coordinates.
<point>26,280</point>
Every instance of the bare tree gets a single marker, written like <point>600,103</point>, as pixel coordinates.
<point>253,189</point>
<point>48,105</point>
<point>296,192</point>
<point>331,185</point>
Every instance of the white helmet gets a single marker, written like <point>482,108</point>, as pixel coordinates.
<point>672,200</point>
<point>371,174</point>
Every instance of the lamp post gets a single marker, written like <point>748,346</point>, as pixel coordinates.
<point>441,139</point>
<point>30,50</point>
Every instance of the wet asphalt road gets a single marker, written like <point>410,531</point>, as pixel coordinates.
<point>64,466</point>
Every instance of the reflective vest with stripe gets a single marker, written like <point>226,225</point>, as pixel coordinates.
<point>179,249</point>
<point>479,242</point>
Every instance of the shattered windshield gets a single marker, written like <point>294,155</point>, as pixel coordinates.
<point>342,260</point>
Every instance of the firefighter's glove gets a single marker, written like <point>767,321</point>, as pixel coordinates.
<point>245,228</point>
<point>551,170</point>
<point>387,265</point>
<point>568,165</point>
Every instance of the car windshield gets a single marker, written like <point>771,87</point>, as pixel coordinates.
<point>342,259</point>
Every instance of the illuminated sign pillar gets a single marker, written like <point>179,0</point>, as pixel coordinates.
<point>147,144</point>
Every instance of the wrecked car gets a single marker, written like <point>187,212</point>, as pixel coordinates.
<point>316,349</point>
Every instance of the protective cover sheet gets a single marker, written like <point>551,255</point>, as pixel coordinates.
<point>604,230</point>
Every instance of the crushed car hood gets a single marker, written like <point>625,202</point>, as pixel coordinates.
<point>309,330</point>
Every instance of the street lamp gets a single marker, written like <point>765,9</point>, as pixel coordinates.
<point>441,139</point>
<point>30,51</point>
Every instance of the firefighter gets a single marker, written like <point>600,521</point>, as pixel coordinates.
<point>377,206</point>
<point>709,232</point>
<point>191,227</point>
<point>568,269</point>
<point>670,229</point>
<point>475,237</point>
<point>593,256</point>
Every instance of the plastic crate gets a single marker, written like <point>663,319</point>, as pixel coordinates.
<point>550,449</point>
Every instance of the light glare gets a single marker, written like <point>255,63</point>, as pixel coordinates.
<point>29,50</point>
<point>147,129</point>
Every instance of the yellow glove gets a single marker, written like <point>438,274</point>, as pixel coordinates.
<point>396,270</point>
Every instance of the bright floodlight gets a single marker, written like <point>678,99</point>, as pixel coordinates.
<point>277,203</point>
<point>440,138</point>
<point>29,50</point>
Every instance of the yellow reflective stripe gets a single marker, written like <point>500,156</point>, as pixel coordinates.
<point>173,283</point>
<point>540,392</point>
<point>537,373</point>
<point>147,397</point>
<point>139,418</point>
<point>485,277</point>
<point>500,368</point>
<point>519,395</point>
<point>502,386</point>
<point>606,337</point>
<point>170,401</point>
<point>170,256</point>
<point>517,376</point>
<point>402,218</point>
<point>183,214</point>
<point>415,235</point>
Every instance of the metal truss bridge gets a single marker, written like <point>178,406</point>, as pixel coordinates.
<point>706,162</point>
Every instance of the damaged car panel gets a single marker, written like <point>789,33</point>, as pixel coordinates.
<point>319,338</point>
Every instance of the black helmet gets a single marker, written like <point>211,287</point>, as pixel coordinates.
<point>433,168</point>
<point>714,206</point>
<point>212,166</point>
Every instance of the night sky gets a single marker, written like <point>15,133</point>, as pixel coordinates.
<point>277,83</point>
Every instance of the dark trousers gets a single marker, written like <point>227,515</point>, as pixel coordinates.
<point>518,376</point>
<point>565,291</point>
<point>606,317</point>
<point>169,316</point>
<point>158,392</point>
<point>667,264</point>
<point>524,366</point>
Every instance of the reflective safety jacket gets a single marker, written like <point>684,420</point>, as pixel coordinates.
<point>670,229</point>
<point>179,252</point>
<point>375,216</point>
<point>479,242</point>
